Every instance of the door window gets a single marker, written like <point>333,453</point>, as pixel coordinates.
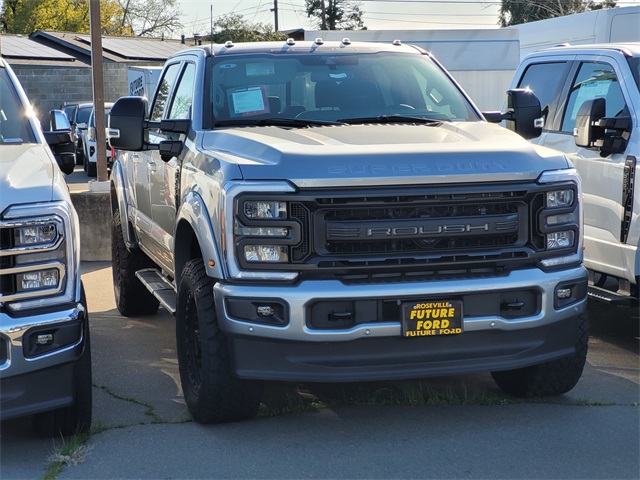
<point>594,80</point>
<point>163,91</point>
<point>545,80</point>
<point>183,99</point>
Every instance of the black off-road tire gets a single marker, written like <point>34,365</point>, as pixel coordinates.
<point>132,297</point>
<point>212,393</point>
<point>75,418</point>
<point>550,378</point>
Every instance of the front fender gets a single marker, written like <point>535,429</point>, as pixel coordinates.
<point>194,220</point>
<point>119,191</point>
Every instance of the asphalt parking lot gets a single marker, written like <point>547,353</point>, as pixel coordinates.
<point>141,427</point>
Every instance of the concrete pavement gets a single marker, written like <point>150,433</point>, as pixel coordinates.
<point>143,430</point>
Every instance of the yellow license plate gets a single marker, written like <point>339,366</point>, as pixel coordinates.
<point>432,317</point>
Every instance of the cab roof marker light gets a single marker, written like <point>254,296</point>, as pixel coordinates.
<point>228,44</point>
<point>291,41</point>
<point>318,41</point>
<point>397,42</point>
<point>346,41</point>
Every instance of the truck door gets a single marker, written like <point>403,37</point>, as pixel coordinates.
<point>145,163</point>
<point>602,177</point>
<point>164,176</point>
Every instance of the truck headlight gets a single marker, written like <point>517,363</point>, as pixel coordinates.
<point>266,253</point>
<point>560,218</point>
<point>557,240</point>
<point>35,235</point>
<point>560,198</point>
<point>40,254</point>
<point>264,209</point>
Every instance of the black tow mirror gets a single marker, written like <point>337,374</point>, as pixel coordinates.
<point>127,129</point>
<point>60,141</point>
<point>524,115</point>
<point>595,131</point>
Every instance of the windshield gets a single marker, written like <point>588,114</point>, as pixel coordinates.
<point>634,64</point>
<point>14,125</point>
<point>83,114</point>
<point>334,88</point>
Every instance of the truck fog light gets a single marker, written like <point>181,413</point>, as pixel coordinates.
<point>559,240</point>
<point>560,198</point>
<point>37,280</point>
<point>265,311</point>
<point>35,235</point>
<point>563,293</point>
<point>265,253</point>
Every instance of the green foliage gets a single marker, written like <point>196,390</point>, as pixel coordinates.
<point>233,27</point>
<point>335,14</point>
<point>515,12</point>
<point>26,16</point>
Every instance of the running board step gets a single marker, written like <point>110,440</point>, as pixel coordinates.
<point>613,298</point>
<point>160,287</point>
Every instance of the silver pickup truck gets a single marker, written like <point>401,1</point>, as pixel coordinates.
<point>45,351</point>
<point>339,212</point>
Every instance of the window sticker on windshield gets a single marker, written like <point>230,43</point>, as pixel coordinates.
<point>248,101</point>
<point>261,69</point>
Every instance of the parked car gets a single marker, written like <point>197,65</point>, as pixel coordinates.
<point>591,110</point>
<point>45,349</point>
<point>78,115</point>
<point>89,142</point>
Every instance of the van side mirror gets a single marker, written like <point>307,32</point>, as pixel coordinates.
<point>595,131</point>
<point>523,115</point>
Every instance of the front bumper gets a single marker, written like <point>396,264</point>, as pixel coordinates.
<point>376,350</point>
<point>36,378</point>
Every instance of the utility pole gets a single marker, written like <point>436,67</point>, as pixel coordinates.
<point>275,14</point>
<point>98,88</point>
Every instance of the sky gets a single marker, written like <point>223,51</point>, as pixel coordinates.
<point>379,14</point>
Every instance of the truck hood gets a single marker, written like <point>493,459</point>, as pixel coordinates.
<point>27,173</point>
<point>378,154</point>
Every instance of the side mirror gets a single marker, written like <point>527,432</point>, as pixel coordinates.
<point>63,149</point>
<point>127,126</point>
<point>594,131</point>
<point>58,120</point>
<point>524,115</point>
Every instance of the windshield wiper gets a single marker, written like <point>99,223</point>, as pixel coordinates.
<point>276,122</point>
<point>391,119</point>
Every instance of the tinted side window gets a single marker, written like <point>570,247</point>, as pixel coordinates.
<point>163,91</point>
<point>183,99</point>
<point>594,80</point>
<point>545,80</point>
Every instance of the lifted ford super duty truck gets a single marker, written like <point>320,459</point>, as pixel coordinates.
<point>45,352</point>
<point>338,212</point>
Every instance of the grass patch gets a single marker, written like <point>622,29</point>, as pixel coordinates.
<point>70,451</point>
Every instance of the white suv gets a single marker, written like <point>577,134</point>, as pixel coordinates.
<point>89,142</point>
<point>591,109</point>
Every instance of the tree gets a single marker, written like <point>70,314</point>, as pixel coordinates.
<point>146,18</point>
<point>26,16</point>
<point>335,14</point>
<point>515,12</point>
<point>117,17</point>
<point>235,28</point>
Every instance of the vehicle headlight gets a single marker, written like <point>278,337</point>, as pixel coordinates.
<point>261,230</point>
<point>560,219</point>
<point>40,255</point>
